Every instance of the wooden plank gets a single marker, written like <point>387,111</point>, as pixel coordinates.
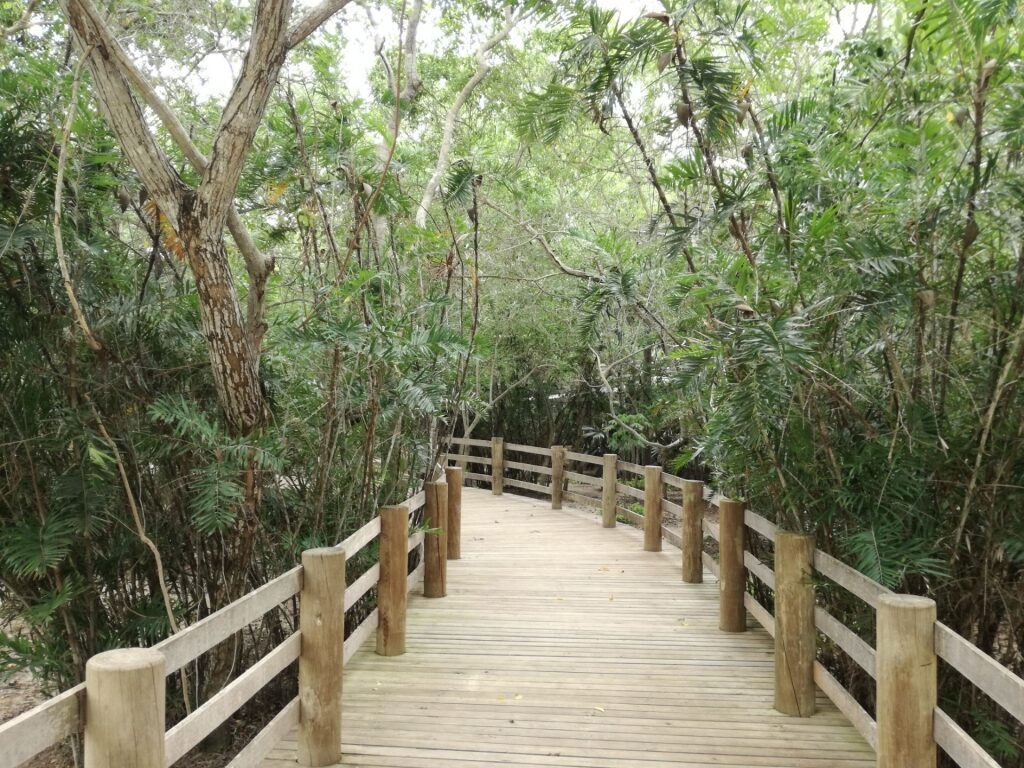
<point>361,538</point>
<point>858,650</point>
<point>762,525</point>
<point>672,537</point>
<point>710,563</point>
<point>581,478</point>
<point>584,458</point>
<point>414,502</point>
<point>760,613</point>
<point>528,449</point>
<point>671,506</point>
<point>197,639</point>
<point>759,569</point>
<point>535,487</point>
<point>25,736</point>
<point>527,467</point>
<point>633,517</point>
<point>467,459</point>
<point>361,633</point>
<point>710,529</point>
<point>471,441</point>
<point>849,578</point>
<point>187,733</point>
<point>628,490</point>
<point>991,677</point>
<point>579,498</point>
<point>846,704</point>
<point>477,476</point>
<point>628,466</point>
<point>264,741</point>
<point>955,742</point>
<point>362,585</point>
<point>674,480</point>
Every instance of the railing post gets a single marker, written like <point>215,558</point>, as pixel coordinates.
<point>392,591</point>
<point>497,466</point>
<point>609,493</point>
<point>557,475</point>
<point>124,709</point>
<point>906,671</point>
<point>321,658</point>
<point>795,635</point>
<point>693,531</point>
<point>732,574</point>
<point>435,544</point>
<point>652,509</point>
<point>453,476</point>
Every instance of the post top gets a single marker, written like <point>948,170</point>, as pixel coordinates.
<point>727,502</point>
<point>323,552</point>
<point>693,483</point>
<point>126,660</point>
<point>906,602</point>
<point>793,535</point>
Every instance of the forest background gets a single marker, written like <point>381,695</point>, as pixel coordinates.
<point>256,263</point>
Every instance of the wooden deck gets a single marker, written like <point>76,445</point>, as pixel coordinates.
<point>564,644</point>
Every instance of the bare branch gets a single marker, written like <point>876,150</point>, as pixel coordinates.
<point>244,111</point>
<point>122,111</point>
<point>23,23</point>
<point>313,20</point>
<point>412,77</point>
<point>448,136</point>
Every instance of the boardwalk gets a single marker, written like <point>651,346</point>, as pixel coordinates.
<point>564,644</point>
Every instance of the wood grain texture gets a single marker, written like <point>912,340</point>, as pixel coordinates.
<point>795,635</point>
<point>322,628</point>
<point>497,466</point>
<point>557,475</point>
<point>652,509</point>
<point>391,590</point>
<point>732,572</point>
<point>124,709</point>
<point>609,478</point>
<point>534,661</point>
<point>907,680</point>
<point>692,531</point>
<point>453,476</point>
<point>435,545</point>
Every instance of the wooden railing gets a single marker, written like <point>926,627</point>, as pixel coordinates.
<point>909,725</point>
<point>120,708</point>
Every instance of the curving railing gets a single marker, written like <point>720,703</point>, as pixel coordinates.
<point>124,690</point>
<point>909,723</point>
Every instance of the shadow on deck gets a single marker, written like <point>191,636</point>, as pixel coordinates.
<point>561,643</point>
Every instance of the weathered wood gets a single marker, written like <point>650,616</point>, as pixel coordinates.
<point>360,538</point>
<point>584,458</point>
<point>862,653</point>
<point>528,449</point>
<point>453,476</point>
<point>732,577</point>
<point>955,742</point>
<point>628,490</point>
<point>795,635</point>
<point>471,441</point>
<point>579,477</point>
<point>557,475</point>
<point>692,531</point>
<point>264,741</point>
<point>465,458</point>
<point>322,627</point>
<point>358,588</point>
<point>526,467</point>
<point>846,704</point>
<point>994,680</point>
<point>849,578</point>
<point>760,524</point>
<point>497,466</point>
<point>535,487</point>
<point>49,723</point>
<point>124,709</point>
<point>609,477</point>
<point>628,466</point>
<point>392,595</point>
<point>435,545</point>
<point>189,732</point>
<point>906,681</point>
<point>759,570</point>
<point>670,506</point>
<point>652,509</point>
<point>760,613</point>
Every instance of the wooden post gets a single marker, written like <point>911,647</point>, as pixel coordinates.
<point>321,659</point>
<point>906,671</point>
<point>453,476</point>
<point>652,509</point>
<point>124,709</point>
<point>609,494</point>
<point>693,531</point>
<point>557,475</point>
<point>392,589</point>
<point>795,635</point>
<point>732,574</point>
<point>435,544</point>
<point>497,466</point>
